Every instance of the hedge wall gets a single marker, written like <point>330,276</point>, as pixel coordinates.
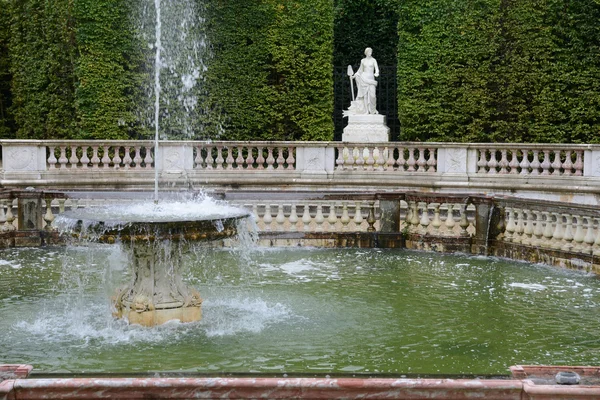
<point>272,74</point>
<point>80,68</point>
<point>499,70</point>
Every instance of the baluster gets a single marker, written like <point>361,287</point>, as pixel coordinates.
<point>411,160</point>
<point>291,160</point>
<point>293,219</point>
<point>62,159</point>
<point>240,158</point>
<point>431,161</point>
<point>137,158</point>
<point>503,163</point>
<point>464,221</point>
<point>250,158</point>
<point>339,162</point>
<point>568,164</point>
<point>51,157</point>
<point>105,157</point>
<point>116,160</point>
<point>260,159</point>
<point>535,163</point>
<point>538,230</point>
<point>381,160</point>
<point>421,162</point>
<point>359,159</point>
<point>424,221</point>
<point>126,157</point>
<point>559,232</point>
<point>10,217</point>
<point>3,226</point>
<point>332,218</point>
<point>510,225</point>
<point>514,162</point>
<point>437,222</point>
<point>546,163</point>
<point>492,163</point>
<point>414,215</point>
<point>556,164</point>
<point>219,160</point>
<point>519,227</point>
<point>568,236</point>
<point>148,159</point>
<point>319,218</point>
<point>390,163</point>
<point>579,236</point>
<point>401,162</point>
<point>198,159</point>
<point>589,235</point>
<point>345,219</point>
<point>596,245</point>
<point>73,159</point>
<point>280,159</point>
<point>95,160</point>
<point>61,205</point>
<point>280,218</point>
<point>371,218</point>
<point>229,160</point>
<point>267,217</point>
<point>482,162</point>
<point>306,218</point>
<point>450,223</point>
<point>548,229</point>
<point>270,158</point>
<point>525,163</point>
<point>528,228</point>
<point>358,218</point>
<point>48,216</point>
<point>209,160</point>
<point>370,159</point>
<point>349,163</point>
<point>578,166</point>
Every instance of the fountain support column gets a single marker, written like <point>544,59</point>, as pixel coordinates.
<point>156,293</point>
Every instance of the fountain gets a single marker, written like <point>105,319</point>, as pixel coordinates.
<point>154,236</point>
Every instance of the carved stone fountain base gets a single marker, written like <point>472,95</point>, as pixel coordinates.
<point>159,317</point>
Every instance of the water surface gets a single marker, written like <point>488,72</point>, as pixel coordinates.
<point>302,311</point>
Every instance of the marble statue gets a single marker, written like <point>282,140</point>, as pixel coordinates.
<point>366,99</point>
<point>365,124</point>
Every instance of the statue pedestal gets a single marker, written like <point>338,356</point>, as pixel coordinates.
<point>365,128</point>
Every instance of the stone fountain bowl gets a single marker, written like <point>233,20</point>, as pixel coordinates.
<point>112,224</point>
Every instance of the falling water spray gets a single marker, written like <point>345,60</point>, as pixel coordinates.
<point>156,96</point>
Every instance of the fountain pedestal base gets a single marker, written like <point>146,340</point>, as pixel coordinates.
<point>159,317</point>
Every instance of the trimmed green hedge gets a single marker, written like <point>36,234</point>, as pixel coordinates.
<point>272,72</point>
<point>499,70</point>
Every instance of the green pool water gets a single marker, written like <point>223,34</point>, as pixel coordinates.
<point>316,311</point>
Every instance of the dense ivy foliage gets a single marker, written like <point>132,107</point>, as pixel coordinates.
<point>365,23</point>
<point>106,68</point>
<point>6,121</point>
<point>469,70</point>
<point>499,70</point>
<point>272,78</point>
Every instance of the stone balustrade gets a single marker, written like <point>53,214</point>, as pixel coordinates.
<point>533,230</point>
<point>537,171</point>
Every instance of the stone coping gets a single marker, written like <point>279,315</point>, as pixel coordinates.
<point>296,388</point>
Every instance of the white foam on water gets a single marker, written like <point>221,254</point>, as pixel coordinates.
<point>231,316</point>
<point>529,286</point>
